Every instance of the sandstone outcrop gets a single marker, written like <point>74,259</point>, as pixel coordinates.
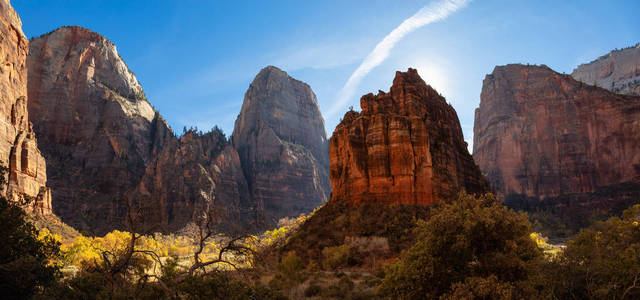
<point>618,71</point>
<point>545,139</point>
<point>27,176</point>
<point>404,147</point>
<point>280,138</point>
<point>403,152</point>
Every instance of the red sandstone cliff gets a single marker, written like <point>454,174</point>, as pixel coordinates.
<point>93,122</point>
<point>404,147</point>
<point>540,135</point>
<point>281,141</point>
<point>18,146</point>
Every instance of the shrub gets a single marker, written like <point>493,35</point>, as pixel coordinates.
<point>602,262</point>
<point>290,266</point>
<point>336,257</point>
<point>470,237</point>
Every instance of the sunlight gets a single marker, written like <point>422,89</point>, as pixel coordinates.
<point>434,75</point>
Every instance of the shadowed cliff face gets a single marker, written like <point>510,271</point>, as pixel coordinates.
<point>542,135</point>
<point>280,138</point>
<point>94,123</point>
<point>405,147</point>
<point>18,147</point>
<point>618,71</point>
<point>104,143</point>
<point>194,174</point>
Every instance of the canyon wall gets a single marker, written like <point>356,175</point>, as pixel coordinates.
<point>94,125</point>
<point>618,71</point>
<point>544,139</point>
<point>27,174</point>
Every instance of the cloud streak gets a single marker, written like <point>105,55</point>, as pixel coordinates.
<point>431,13</point>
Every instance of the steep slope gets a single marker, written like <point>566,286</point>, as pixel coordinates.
<point>280,138</point>
<point>405,147</point>
<point>94,123</point>
<point>544,139</point>
<point>618,71</point>
<point>18,146</point>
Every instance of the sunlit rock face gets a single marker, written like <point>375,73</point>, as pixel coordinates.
<point>543,138</point>
<point>19,151</point>
<point>280,138</point>
<point>404,147</point>
<point>618,71</point>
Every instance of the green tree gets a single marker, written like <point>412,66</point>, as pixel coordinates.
<point>602,262</point>
<point>26,263</point>
<point>473,246</point>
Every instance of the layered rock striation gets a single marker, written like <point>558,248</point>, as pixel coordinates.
<point>544,139</point>
<point>618,71</point>
<point>27,176</point>
<point>281,141</point>
<point>404,147</point>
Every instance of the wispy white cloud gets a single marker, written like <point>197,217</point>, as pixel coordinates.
<point>433,12</point>
<point>321,55</point>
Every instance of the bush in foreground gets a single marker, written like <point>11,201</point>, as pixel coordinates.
<point>473,247</point>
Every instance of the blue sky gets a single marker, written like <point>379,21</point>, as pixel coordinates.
<point>195,59</point>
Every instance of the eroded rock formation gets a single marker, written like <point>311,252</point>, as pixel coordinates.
<point>282,144</point>
<point>19,151</point>
<point>618,71</point>
<point>404,147</point>
<point>543,138</point>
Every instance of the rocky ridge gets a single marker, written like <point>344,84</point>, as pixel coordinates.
<point>27,176</point>
<point>618,71</point>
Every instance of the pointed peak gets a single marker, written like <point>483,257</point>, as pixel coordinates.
<point>410,77</point>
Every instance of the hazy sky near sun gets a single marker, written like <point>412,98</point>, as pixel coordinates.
<point>195,59</point>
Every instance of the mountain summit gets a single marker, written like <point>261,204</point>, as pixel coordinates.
<point>404,147</point>
<point>282,144</point>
